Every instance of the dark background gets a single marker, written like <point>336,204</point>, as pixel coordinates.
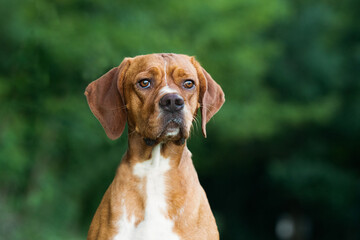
<point>281,160</point>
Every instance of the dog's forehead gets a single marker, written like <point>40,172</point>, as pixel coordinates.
<point>170,62</point>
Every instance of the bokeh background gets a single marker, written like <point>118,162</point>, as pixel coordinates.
<point>281,160</point>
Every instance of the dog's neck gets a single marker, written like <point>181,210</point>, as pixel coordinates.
<point>139,150</point>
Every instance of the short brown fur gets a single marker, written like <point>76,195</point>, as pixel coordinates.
<point>115,99</point>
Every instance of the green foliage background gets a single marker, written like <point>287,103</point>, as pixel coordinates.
<point>286,141</point>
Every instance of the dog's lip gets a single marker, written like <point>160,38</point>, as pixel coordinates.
<point>171,132</point>
<point>177,121</point>
<point>172,128</point>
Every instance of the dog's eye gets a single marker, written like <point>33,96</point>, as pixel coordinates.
<point>189,84</point>
<point>144,83</point>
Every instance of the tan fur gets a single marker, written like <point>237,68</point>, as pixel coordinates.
<point>187,204</point>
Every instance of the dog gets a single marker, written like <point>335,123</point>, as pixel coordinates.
<point>156,192</point>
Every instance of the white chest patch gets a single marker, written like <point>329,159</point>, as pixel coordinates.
<point>155,226</point>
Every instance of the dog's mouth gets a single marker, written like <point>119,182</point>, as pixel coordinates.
<point>173,128</point>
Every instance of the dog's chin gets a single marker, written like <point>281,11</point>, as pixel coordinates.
<point>169,129</point>
<point>172,131</point>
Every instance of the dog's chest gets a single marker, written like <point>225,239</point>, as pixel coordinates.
<point>156,223</point>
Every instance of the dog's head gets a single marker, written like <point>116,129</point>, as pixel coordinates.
<point>157,94</point>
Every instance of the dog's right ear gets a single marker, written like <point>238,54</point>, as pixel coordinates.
<point>106,100</point>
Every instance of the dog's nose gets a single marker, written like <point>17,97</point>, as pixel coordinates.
<point>171,102</point>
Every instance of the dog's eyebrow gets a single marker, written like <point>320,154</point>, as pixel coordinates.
<point>154,71</point>
<point>181,72</point>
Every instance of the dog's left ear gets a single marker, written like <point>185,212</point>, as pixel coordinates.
<point>211,95</point>
<point>106,100</point>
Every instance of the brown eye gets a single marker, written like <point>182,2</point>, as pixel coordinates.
<point>144,83</point>
<point>189,84</point>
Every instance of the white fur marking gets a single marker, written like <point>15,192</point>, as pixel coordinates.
<point>166,90</point>
<point>165,73</point>
<point>155,225</point>
<point>172,132</point>
<point>126,227</point>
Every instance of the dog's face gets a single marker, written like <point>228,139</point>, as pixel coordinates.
<point>157,94</point>
<point>161,96</point>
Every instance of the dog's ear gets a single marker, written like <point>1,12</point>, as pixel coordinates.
<point>106,100</point>
<point>211,95</point>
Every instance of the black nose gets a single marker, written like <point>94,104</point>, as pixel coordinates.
<point>171,102</point>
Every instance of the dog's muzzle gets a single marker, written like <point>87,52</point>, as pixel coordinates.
<point>172,106</point>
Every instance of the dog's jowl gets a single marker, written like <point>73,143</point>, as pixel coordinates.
<point>156,194</point>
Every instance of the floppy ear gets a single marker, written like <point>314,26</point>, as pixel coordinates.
<point>211,95</point>
<point>106,101</point>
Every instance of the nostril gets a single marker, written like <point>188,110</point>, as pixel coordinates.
<point>165,102</point>
<point>179,102</point>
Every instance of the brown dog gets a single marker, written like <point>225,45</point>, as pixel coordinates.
<point>156,193</point>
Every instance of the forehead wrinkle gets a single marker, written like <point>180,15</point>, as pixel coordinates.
<point>154,71</point>
<point>181,72</point>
